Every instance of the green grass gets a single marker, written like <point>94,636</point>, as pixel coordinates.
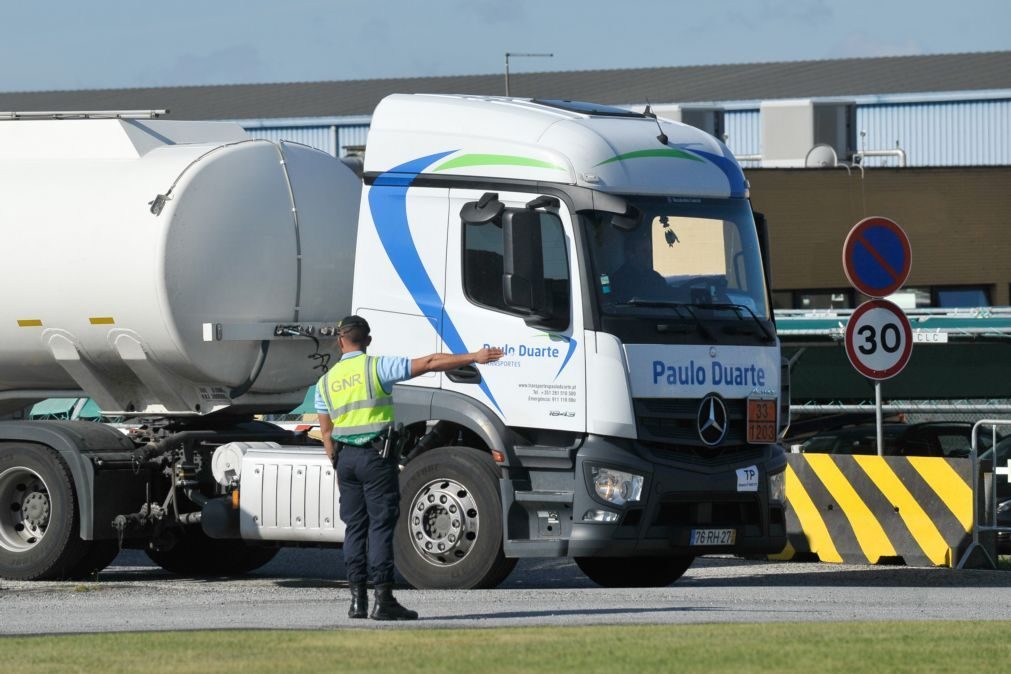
<point>778,647</point>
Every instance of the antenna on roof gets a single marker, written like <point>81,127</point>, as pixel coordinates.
<point>648,112</point>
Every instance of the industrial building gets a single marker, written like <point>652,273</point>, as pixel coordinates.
<point>925,140</point>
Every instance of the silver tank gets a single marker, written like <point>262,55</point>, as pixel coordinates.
<point>149,263</point>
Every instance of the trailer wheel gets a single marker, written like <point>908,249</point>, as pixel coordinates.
<point>449,534</point>
<point>39,520</point>
<point>196,554</point>
<point>634,571</point>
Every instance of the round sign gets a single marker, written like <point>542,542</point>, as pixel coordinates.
<point>877,256</point>
<point>879,340</point>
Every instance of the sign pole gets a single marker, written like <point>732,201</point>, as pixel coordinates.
<point>877,258</point>
<point>877,408</point>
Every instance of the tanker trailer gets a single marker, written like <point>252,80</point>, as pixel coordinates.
<point>178,273</point>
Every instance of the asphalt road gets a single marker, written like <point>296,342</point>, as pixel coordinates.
<point>305,589</point>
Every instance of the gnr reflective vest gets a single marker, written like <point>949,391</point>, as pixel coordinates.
<point>359,407</point>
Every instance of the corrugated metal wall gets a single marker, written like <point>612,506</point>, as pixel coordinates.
<point>944,133</point>
<point>743,129</point>
<point>949,133</point>
<point>331,138</point>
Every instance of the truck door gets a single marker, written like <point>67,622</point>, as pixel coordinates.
<point>540,382</point>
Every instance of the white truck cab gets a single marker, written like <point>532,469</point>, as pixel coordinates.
<point>615,259</point>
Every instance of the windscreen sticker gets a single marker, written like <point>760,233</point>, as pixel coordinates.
<point>747,479</point>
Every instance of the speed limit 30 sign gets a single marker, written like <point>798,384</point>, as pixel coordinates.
<point>879,339</point>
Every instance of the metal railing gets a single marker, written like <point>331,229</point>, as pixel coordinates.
<point>82,114</point>
<point>996,472</point>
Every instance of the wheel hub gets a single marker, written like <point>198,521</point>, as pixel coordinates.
<point>25,509</point>
<point>36,510</point>
<point>443,522</point>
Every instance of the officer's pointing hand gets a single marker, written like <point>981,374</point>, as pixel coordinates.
<point>488,354</point>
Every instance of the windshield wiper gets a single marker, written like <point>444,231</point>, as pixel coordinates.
<point>676,306</point>
<point>738,308</point>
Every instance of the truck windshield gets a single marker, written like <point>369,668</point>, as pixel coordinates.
<point>686,257</point>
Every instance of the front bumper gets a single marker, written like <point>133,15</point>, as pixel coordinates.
<point>681,492</point>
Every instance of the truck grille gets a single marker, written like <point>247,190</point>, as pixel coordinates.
<point>674,421</point>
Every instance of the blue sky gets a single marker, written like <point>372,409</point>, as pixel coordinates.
<point>117,43</point>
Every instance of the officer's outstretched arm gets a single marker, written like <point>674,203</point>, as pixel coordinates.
<point>441,362</point>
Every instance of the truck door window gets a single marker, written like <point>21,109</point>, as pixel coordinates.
<point>483,264</point>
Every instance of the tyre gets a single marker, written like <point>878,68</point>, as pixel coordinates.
<point>449,534</point>
<point>39,520</point>
<point>634,571</point>
<point>196,554</point>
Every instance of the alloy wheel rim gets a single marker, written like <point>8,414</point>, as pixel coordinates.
<point>25,509</point>
<point>443,522</point>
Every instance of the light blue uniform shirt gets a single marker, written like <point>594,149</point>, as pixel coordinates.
<point>391,370</point>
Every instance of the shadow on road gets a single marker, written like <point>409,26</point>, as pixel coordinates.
<point>324,569</point>
<point>815,575</point>
<point>583,612</point>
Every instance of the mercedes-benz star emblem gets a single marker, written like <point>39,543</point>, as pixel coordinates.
<point>712,420</point>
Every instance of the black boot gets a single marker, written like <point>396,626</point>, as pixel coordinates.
<point>359,601</point>
<point>386,607</point>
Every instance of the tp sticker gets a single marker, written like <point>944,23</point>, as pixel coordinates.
<point>747,479</point>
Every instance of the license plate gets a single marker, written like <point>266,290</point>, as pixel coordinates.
<point>762,420</point>
<point>713,537</point>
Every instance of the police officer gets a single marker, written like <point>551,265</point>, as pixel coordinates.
<point>355,409</point>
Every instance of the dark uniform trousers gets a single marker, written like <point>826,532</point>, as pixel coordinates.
<point>369,507</point>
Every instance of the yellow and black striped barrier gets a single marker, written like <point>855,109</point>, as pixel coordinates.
<point>872,509</point>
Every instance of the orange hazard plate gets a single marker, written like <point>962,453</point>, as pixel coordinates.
<point>762,420</point>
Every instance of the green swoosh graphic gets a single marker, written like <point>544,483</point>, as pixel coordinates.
<point>642,154</point>
<point>495,160</point>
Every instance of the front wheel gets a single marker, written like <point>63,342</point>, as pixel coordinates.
<point>449,534</point>
<point>634,571</point>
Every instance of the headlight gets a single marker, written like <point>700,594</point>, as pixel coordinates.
<point>777,487</point>
<point>616,486</point>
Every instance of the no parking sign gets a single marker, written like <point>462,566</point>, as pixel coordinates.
<point>877,256</point>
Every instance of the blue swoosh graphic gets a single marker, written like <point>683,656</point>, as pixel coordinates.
<point>572,349</point>
<point>389,212</point>
<point>730,169</point>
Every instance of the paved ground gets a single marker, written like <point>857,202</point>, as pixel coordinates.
<point>305,589</point>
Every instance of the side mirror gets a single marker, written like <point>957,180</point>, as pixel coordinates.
<point>482,211</point>
<point>523,283</point>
